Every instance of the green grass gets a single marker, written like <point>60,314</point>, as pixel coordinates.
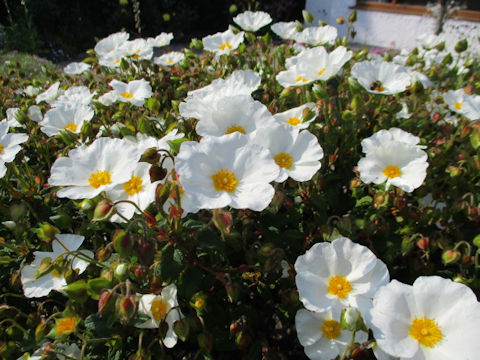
<point>25,66</point>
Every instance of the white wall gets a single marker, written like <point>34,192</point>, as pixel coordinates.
<point>390,29</point>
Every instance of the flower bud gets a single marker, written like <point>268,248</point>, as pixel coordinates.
<point>340,20</point>
<point>106,302</point>
<point>122,243</point>
<point>196,44</point>
<point>157,173</point>
<point>41,330</point>
<point>121,272</point>
<point>451,256</point>
<point>150,156</point>
<point>319,91</point>
<point>461,46</point>
<point>199,302</point>
<point>103,211</point>
<point>223,220</point>
<point>46,232</point>
<point>307,16</point>
<point>103,254</point>
<point>353,17</point>
<point>125,308</point>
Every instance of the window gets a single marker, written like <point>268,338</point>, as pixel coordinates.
<point>470,9</point>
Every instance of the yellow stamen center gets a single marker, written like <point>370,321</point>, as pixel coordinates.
<point>226,45</point>
<point>294,121</point>
<point>283,160</point>
<point>158,309</point>
<point>458,106</point>
<point>224,180</point>
<point>425,331</point>
<point>339,286</point>
<point>99,178</point>
<point>116,62</point>
<point>235,128</point>
<point>301,79</point>
<point>136,56</point>
<point>1,148</point>
<point>72,127</point>
<point>321,71</point>
<point>392,171</point>
<point>66,325</point>
<point>133,186</point>
<point>331,329</point>
<point>169,61</point>
<point>127,95</point>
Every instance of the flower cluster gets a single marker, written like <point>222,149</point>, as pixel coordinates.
<point>200,203</point>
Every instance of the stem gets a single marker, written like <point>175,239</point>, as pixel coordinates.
<point>346,352</point>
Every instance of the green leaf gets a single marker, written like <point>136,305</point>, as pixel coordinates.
<point>96,286</point>
<point>366,200</point>
<point>175,144</point>
<point>172,263</point>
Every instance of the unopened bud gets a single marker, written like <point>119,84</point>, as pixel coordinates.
<point>125,308</point>
<point>157,173</point>
<point>340,20</point>
<point>307,16</point>
<point>353,17</point>
<point>103,211</point>
<point>150,156</point>
<point>461,46</point>
<point>223,220</point>
<point>46,232</point>
<point>451,256</point>
<point>122,243</point>
<point>106,302</point>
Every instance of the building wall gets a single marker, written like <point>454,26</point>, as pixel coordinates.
<point>390,29</point>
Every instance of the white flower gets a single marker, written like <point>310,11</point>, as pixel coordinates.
<point>296,117</point>
<point>50,94</point>
<point>472,107</point>
<point>169,59</point>
<point>418,76</point>
<point>339,274</point>
<point>76,68</point>
<point>108,98</point>
<point>252,21</point>
<point>138,189</point>
<point>285,30</point>
<point>89,170</point>
<point>434,319</point>
<point>322,335</point>
<point>226,171</point>
<point>386,137</point>
<point>313,64</point>
<point>462,103</point>
<point>317,35</point>
<point>138,49</point>
<point>429,41</point>
<point>232,114</point>
<point>161,308</point>
<point>113,59</point>
<point>111,43</point>
<point>240,82</point>
<point>380,77</point>
<point>11,118</point>
<point>31,90</point>
<point>398,163</point>
<point>65,118</point>
<point>162,39</point>
<point>186,201</point>
<point>76,95</point>
<point>223,43</point>
<point>38,286</point>
<point>297,154</point>
<point>35,113</point>
<point>135,92</point>
<point>9,146</point>
<point>403,114</point>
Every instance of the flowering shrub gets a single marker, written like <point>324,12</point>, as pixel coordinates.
<point>253,200</point>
